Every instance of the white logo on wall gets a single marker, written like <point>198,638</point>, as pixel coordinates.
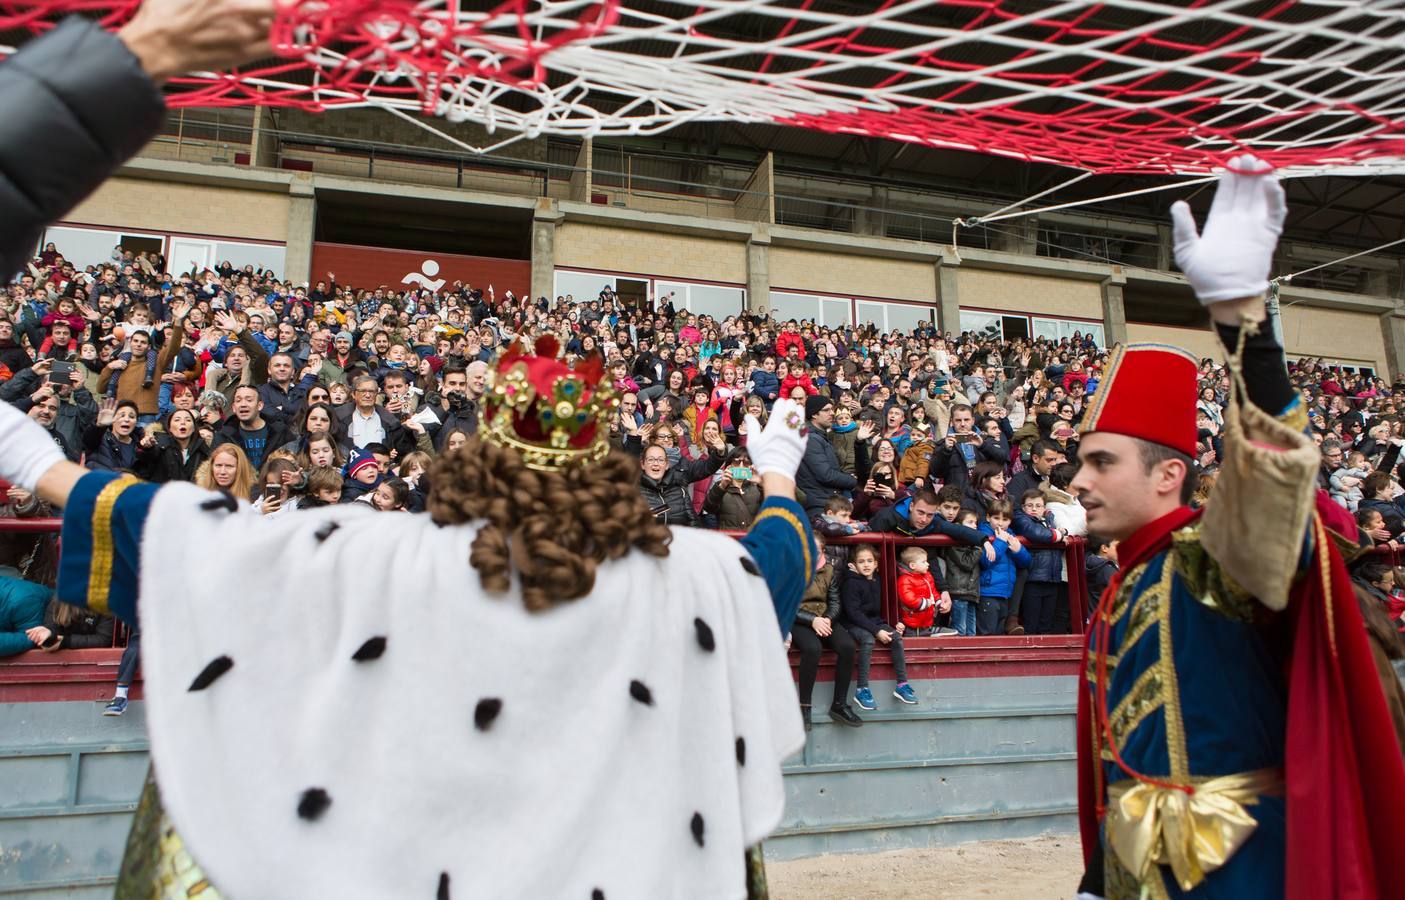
<point>425,278</point>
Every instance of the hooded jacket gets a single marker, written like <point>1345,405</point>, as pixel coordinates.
<point>917,598</point>
<point>894,520</point>
<point>998,577</point>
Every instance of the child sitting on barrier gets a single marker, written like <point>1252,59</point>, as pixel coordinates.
<point>837,520</point>
<point>861,598</point>
<point>998,575</point>
<point>963,569</point>
<point>918,597</point>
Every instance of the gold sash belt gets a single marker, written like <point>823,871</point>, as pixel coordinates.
<point>1195,833</point>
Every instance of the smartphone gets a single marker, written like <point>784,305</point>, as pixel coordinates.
<point>740,473</point>
<point>272,492</point>
<point>50,641</point>
<point>60,372</point>
<point>885,478</point>
<point>965,438</point>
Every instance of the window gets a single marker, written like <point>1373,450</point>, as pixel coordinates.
<point>984,324</point>
<point>716,301</point>
<point>1058,329</point>
<point>794,306</point>
<point>836,313</point>
<point>582,286</point>
<point>90,246</point>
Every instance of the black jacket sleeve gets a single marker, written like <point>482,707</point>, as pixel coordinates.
<point>76,104</point>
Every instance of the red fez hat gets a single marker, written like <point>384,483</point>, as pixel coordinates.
<point>1148,392</point>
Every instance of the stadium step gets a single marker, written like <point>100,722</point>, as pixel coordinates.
<point>971,762</point>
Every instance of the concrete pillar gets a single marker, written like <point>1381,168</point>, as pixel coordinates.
<point>757,200</point>
<point>1393,330</point>
<point>581,175</point>
<point>1164,256</point>
<point>948,298</point>
<point>872,217</point>
<point>544,222</point>
<point>758,270</point>
<point>1018,235</point>
<point>302,230</point>
<point>1114,311</point>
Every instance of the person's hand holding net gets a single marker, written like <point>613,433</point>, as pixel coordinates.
<point>174,37</point>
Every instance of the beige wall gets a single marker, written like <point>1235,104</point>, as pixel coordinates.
<point>1198,341</point>
<point>195,209</point>
<point>650,253</point>
<point>1029,294</point>
<point>1343,336</point>
<point>838,273</point>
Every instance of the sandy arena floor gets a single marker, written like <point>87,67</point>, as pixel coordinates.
<point>1044,868</point>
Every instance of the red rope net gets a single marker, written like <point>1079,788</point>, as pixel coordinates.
<point>1123,85</point>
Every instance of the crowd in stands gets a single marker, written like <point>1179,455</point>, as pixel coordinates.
<point>299,395</point>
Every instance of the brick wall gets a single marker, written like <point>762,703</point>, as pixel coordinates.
<point>1349,337</point>
<point>1036,294</point>
<point>1199,341</point>
<point>367,267</point>
<point>650,253</point>
<point>137,205</point>
<point>838,273</point>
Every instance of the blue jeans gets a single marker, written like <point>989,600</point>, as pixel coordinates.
<point>963,616</point>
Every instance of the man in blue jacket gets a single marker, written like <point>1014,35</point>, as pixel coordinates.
<point>820,476</point>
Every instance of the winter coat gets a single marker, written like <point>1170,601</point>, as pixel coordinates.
<point>862,601</point>
<point>998,577</point>
<point>21,608</point>
<point>397,437</point>
<point>962,577</point>
<point>105,453</point>
<point>1045,565</point>
<point>916,461</point>
<point>671,496</point>
<point>88,107</point>
<point>949,464</point>
<point>1069,515</point>
<point>75,413</point>
<point>803,381</point>
<point>735,507</point>
<point>765,385</point>
<point>165,462</point>
<point>894,520</point>
<point>1394,518</point>
<point>90,630</point>
<point>820,476</point>
<point>843,443</point>
<point>1099,571</point>
<point>917,598</point>
<point>821,596</point>
<point>785,341</point>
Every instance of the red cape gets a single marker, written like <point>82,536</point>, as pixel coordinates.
<point>1343,765</point>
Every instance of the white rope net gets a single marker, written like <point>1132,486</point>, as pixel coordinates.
<point>1117,86</point>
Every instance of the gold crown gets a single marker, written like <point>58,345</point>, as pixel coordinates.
<point>554,416</point>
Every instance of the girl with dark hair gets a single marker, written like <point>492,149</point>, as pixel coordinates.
<point>173,454</point>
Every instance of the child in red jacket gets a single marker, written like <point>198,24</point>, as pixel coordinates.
<point>918,596</point>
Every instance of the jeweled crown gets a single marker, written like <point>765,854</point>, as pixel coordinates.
<point>555,416</point>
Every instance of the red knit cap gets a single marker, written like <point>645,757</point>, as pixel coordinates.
<point>1148,392</point>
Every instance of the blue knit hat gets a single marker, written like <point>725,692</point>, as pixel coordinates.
<point>358,460</point>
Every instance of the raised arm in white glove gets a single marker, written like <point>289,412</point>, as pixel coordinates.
<point>777,449</point>
<point>1231,259</point>
<point>27,451</point>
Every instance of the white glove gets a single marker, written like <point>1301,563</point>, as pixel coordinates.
<point>1231,260</point>
<point>780,446</point>
<point>26,449</point>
